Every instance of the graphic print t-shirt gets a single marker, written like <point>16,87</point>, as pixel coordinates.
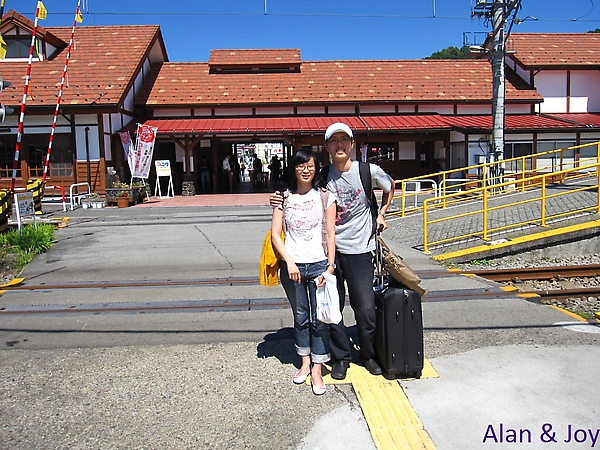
<point>354,226</point>
<point>303,215</point>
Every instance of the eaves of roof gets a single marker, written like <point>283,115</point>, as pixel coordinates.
<point>519,122</point>
<point>294,125</point>
<point>368,124</point>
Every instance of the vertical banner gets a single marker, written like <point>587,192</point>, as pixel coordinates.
<point>128,148</point>
<point>144,151</point>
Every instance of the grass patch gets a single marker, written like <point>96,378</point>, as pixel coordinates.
<point>585,315</point>
<point>19,249</point>
<point>480,262</point>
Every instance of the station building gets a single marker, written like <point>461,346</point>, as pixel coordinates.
<point>412,117</point>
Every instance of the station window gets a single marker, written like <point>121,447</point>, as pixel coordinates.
<point>516,150</point>
<point>8,144</point>
<point>378,152</point>
<point>18,46</point>
<point>34,149</point>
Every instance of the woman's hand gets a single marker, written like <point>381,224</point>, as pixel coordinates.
<point>294,272</point>
<point>320,281</point>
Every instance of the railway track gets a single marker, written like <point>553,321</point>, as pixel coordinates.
<point>566,276</point>
<point>569,278</point>
<point>539,273</point>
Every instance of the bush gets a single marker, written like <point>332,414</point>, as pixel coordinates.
<point>32,240</point>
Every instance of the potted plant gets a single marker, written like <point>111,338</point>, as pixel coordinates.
<point>123,200</point>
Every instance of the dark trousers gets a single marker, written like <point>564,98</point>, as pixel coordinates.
<point>357,272</point>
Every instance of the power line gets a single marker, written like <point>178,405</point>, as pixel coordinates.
<point>171,13</point>
<point>309,15</point>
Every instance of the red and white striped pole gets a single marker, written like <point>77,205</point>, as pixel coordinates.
<point>24,101</point>
<point>60,91</point>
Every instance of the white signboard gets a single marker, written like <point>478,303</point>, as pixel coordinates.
<point>163,169</point>
<point>24,207</point>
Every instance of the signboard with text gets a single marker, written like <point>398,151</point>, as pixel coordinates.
<point>163,170</point>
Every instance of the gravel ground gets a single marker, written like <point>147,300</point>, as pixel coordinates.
<point>587,305</point>
<point>123,398</point>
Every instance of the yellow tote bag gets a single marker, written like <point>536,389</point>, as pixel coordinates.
<point>269,262</point>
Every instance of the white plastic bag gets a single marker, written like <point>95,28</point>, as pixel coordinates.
<point>328,301</point>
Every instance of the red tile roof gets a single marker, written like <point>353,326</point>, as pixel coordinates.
<point>581,119</point>
<point>555,50</point>
<point>406,122</point>
<point>103,62</point>
<point>254,57</point>
<point>364,124</point>
<point>298,124</point>
<point>253,125</point>
<point>407,81</point>
<point>513,122</point>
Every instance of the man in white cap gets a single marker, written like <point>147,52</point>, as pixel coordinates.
<point>355,242</point>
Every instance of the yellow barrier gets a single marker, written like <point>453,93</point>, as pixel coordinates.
<point>514,174</point>
<point>36,187</point>
<point>485,193</point>
<point>6,201</point>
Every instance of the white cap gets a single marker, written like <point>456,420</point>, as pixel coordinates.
<point>337,128</point>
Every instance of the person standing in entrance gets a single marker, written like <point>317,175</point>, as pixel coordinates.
<point>355,244</point>
<point>226,173</point>
<point>204,174</point>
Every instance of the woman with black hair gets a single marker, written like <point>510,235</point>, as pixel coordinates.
<point>307,215</point>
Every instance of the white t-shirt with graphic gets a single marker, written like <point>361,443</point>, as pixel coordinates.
<point>303,215</point>
<point>354,223</point>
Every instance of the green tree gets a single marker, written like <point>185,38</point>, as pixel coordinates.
<point>451,53</point>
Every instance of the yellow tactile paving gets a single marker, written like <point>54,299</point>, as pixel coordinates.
<point>391,419</point>
<point>359,373</point>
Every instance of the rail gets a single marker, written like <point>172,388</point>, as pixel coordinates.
<point>508,175</point>
<point>75,196</point>
<point>537,207</point>
<point>62,195</point>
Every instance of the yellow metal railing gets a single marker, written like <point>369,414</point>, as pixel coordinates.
<point>514,174</point>
<point>485,194</point>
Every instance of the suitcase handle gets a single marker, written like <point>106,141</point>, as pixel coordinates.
<point>378,282</point>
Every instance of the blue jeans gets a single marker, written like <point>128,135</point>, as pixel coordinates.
<point>204,179</point>
<point>311,336</point>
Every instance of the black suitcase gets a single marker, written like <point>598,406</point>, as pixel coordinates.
<point>399,326</point>
<point>399,332</point>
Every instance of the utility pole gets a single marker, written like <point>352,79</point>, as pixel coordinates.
<point>499,12</point>
<point>498,87</point>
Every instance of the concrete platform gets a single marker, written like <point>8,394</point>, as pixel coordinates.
<point>509,372</point>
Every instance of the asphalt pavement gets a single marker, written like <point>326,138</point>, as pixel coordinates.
<point>143,328</point>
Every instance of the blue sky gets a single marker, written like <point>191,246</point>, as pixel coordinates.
<point>321,29</point>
